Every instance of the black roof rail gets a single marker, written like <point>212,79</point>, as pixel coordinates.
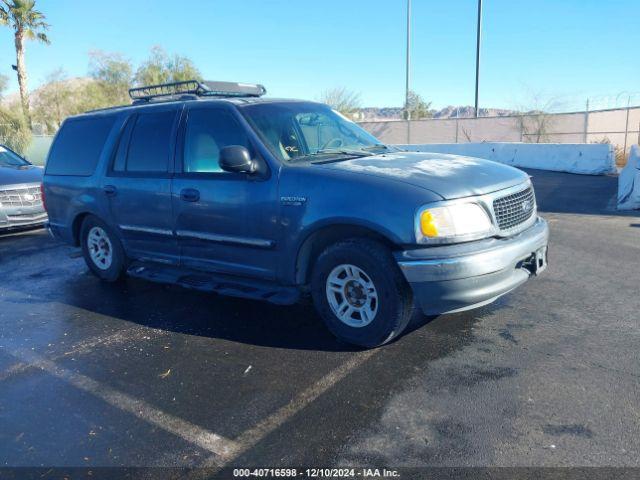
<point>194,87</point>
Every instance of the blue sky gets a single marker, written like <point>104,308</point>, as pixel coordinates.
<point>565,49</point>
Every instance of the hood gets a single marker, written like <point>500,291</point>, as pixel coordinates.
<point>18,175</point>
<point>450,176</point>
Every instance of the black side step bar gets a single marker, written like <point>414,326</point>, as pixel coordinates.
<point>208,282</point>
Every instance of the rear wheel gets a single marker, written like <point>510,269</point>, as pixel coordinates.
<point>102,250</point>
<point>360,292</point>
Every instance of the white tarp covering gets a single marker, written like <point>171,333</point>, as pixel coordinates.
<point>585,158</point>
<point>629,182</point>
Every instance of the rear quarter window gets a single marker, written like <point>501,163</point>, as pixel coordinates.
<point>149,147</point>
<point>78,145</point>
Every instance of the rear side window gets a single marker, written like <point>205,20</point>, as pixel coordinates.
<point>149,147</point>
<point>78,145</point>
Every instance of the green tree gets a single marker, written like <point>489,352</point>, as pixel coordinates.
<point>55,101</point>
<point>27,24</point>
<point>112,75</point>
<point>14,130</point>
<point>4,83</point>
<point>162,68</point>
<point>345,101</point>
<point>417,107</point>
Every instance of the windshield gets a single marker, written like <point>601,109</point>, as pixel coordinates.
<point>10,159</point>
<point>298,130</point>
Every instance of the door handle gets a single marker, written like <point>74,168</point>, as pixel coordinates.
<point>110,190</point>
<point>190,195</point>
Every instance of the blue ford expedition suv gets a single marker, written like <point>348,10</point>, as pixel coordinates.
<point>210,186</point>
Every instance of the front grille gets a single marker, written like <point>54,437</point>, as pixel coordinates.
<point>515,209</point>
<point>21,197</point>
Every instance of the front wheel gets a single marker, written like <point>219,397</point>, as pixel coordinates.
<point>102,250</point>
<point>360,292</point>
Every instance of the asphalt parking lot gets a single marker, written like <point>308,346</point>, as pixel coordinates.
<point>140,374</point>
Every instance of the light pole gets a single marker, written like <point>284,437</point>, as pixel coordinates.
<point>408,73</point>
<point>478,35</point>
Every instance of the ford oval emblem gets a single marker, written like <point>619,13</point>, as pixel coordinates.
<point>29,197</point>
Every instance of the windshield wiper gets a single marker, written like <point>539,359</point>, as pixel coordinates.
<point>374,147</point>
<point>344,151</point>
<point>344,154</point>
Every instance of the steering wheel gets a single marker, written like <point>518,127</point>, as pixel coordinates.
<point>336,142</point>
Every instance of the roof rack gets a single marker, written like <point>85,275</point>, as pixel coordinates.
<point>194,87</point>
<point>233,89</point>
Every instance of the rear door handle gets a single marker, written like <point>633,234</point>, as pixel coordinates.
<point>190,195</point>
<point>110,190</point>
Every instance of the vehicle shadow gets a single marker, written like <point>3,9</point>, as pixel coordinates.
<point>190,312</point>
<point>24,242</point>
<point>18,232</point>
<point>203,314</point>
<point>25,267</point>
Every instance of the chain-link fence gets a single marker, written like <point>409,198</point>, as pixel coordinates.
<point>617,126</point>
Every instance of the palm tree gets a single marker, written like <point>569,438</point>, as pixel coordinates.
<point>28,24</point>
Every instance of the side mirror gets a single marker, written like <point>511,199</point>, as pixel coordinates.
<point>236,158</point>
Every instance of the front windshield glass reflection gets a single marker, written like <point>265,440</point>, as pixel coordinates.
<point>301,131</point>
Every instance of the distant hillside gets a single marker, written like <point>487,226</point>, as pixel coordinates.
<point>367,114</point>
<point>14,97</point>
<point>370,114</point>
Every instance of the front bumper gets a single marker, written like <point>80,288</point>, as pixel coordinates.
<point>22,221</point>
<point>21,207</point>
<point>459,277</point>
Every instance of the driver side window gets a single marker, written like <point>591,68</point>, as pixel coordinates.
<point>209,131</point>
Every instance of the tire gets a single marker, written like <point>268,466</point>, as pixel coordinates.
<point>110,261</point>
<point>343,274</point>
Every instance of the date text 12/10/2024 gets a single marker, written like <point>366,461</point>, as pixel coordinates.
<point>315,472</point>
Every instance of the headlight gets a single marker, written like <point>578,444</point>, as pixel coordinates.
<point>457,222</point>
